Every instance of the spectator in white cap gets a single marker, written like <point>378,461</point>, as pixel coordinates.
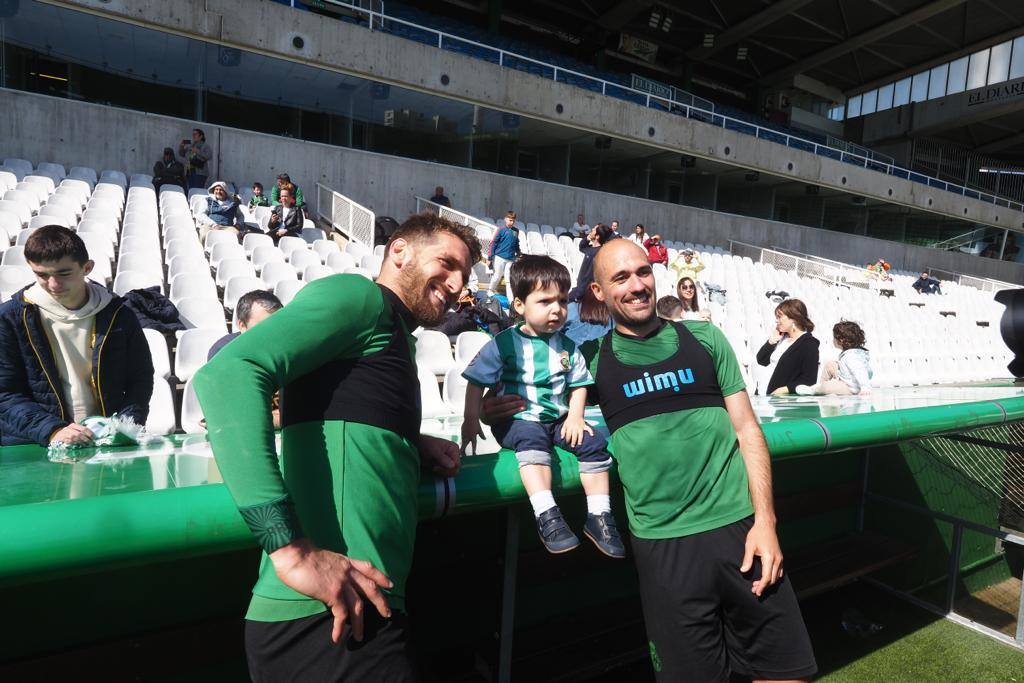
<point>223,212</point>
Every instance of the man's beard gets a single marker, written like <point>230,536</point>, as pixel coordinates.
<point>415,291</point>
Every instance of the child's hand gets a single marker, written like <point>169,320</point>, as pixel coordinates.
<point>471,429</point>
<point>572,430</point>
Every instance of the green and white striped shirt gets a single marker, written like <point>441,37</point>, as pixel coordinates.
<point>541,369</point>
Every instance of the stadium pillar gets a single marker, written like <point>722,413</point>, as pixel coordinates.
<point>1002,247</point>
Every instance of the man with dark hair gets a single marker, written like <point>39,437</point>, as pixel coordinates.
<point>275,193</point>
<point>168,171</point>
<point>439,197</point>
<point>339,532</point>
<point>670,308</point>
<point>69,349</point>
<point>252,308</point>
<point>926,284</point>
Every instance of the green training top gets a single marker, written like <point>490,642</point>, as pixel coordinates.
<point>682,472</point>
<point>350,487</point>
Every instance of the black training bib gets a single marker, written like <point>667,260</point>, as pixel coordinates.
<point>380,390</point>
<point>683,381</point>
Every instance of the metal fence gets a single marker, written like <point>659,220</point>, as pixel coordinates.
<point>831,272</point>
<point>484,229</point>
<point>967,167</point>
<point>847,153</point>
<point>352,220</point>
<point>984,284</point>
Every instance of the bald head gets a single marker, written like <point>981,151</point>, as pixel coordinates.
<point>612,256</point>
<point>624,282</point>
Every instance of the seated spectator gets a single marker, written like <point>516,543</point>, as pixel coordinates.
<point>656,251</point>
<point>686,264</point>
<point>686,290</point>
<point>639,236</point>
<point>54,338</point>
<point>669,308</point>
<point>791,353</point>
<point>879,270</point>
<point>439,197</point>
<point>926,284</point>
<point>252,308</point>
<point>851,374</point>
<point>589,321</point>
<point>580,227</point>
<point>470,314</point>
<point>221,212</point>
<point>615,230</point>
<point>286,219</point>
<point>168,171</point>
<point>275,194</point>
<point>258,198</point>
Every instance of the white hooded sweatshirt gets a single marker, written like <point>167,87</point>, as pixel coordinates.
<point>71,334</point>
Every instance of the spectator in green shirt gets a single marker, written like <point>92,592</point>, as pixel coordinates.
<point>275,193</point>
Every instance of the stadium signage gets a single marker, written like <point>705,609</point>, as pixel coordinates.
<point>653,87</point>
<point>995,93</point>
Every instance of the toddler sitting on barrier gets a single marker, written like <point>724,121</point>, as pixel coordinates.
<point>849,375</point>
<point>537,361</point>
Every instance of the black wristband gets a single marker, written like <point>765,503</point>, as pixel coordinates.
<point>274,524</point>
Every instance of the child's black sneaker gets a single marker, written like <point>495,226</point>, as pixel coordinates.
<point>554,533</point>
<point>602,531</point>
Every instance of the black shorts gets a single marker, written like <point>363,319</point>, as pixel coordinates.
<point>704,623</point>
<point>302,650</point>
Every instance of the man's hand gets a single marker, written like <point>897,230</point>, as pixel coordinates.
<point>781,391</point>
<point>496,409</point>
<point>73,434</point>
<point>763,542</point>
<point>442,455</point>
<point>572,430</point>
<point>338,581</point>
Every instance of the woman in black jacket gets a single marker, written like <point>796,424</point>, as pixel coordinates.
<point>600,234</point>
<point>792,348</point>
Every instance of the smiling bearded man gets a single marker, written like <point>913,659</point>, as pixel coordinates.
<point>697,478</point>
<point>338,526</point>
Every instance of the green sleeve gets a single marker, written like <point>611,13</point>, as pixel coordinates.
<point>591,350</point>
<point>298,196</point>
<point>330,318</point>
<point>727,368</point>
<point>275,194</point>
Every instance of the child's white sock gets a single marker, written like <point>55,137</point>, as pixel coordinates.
<point>542,501</point>
<point>598,504</point>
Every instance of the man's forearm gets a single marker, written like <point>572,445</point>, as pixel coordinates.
<point>759,472</point>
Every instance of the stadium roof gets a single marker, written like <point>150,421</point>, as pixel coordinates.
<point>847,44</point>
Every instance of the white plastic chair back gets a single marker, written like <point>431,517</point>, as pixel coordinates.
<point>255,239</point>
<point>285,290</point>
<point>233,267</point>
<point>193,347</point>
<point>302,259</point>
<point>434,352</point>
<point>316,271</point>
<point>158,352</point>
<point>195,287</point>
<point>341,261</point>
<point>275,272</point>
<point>160,420</point>
<point>47,219</point>
<point>264,255</point>
<point>191,411</point>
<point>430,396</point>
<point>468,344</point>
<point>127,280</point>
<point>202,313</point>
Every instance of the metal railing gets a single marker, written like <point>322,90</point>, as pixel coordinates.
<point>484,229</point>
<point>834,273</point>
<point>352,220</point>
<point>983,283</point>
<point>961,240</point>
<point>447,41</point>
<point>962,165</point>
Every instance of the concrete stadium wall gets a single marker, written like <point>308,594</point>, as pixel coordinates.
<point>269,28</point>
<point>42,128</point>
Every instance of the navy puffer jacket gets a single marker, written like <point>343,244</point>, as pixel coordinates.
<point>32,404</point>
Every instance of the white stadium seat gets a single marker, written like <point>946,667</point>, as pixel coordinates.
<point>193,347</point>
<point>285,290</point>
<point>127,280</point>
<point>202,313</point>
<point>13,278</point>
<point>256,239</point>
<point>161,421</point>
<point>316,271</point>
<point>14,256</point>
<point>302,259</point>
<point>158,352</point>
<point>264,255</point>
<point>468,344</point>
<point>226,250</point>
<point>325,248</point>
<point>188,263</point>
<point>20,167</point>
<point>430,396</point>
<point>434,352</point>
<point>18,209</point>
<point>273,273</point>
<point>43,220</point>
<point>192,286</point>
<point>341,261</point>
<point>191,412</point>
<point>289,244</point>
<point>238,286</point>
<point>233,267</point>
